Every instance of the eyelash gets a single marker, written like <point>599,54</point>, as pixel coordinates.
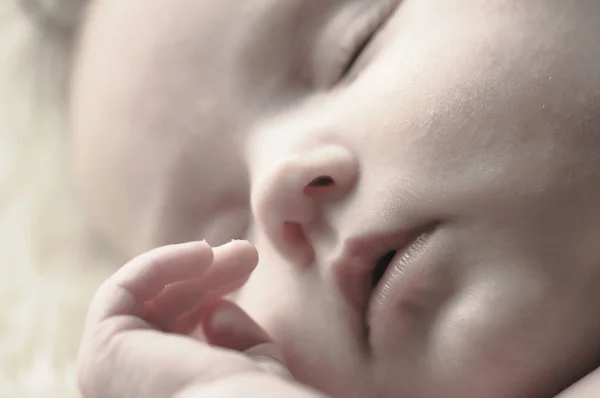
<point>354,48</point>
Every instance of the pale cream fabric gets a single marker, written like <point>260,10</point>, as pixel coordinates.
<point>48,265</point>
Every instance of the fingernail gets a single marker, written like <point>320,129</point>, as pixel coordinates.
<point>224,318</point>
<point>230,242</point>
<point>269,358</point>
<point>272,366</point>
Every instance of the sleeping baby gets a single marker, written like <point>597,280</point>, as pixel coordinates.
<point>412,189</point>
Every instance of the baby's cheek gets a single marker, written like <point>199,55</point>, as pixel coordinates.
<point>266,294</point>
<point>495,332</point>
<point>273,296</point>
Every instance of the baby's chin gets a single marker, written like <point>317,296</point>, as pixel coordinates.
<point>407,378</point>
<point>465,354</point>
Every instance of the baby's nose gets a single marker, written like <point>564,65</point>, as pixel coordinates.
<point>291,200</point>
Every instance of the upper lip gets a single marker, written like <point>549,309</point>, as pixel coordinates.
<point>354,267</point>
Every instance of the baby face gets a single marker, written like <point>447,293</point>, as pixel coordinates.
<point>421,178</point>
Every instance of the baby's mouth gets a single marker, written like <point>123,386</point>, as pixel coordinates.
<point>371,268</point>
<point>381,267</point>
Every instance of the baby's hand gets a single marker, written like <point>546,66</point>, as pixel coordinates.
<point>139,336</point>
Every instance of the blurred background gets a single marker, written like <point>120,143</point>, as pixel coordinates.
<point>50,264</point>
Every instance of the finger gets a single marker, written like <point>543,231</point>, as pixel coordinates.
<point>269,358</point>
<point>182,312</point>
<point>190,323</point>
<point>228,288</point>
<point>146,276</point>
<point>175,299</point>
<point>231,267</point>
<point>233,261</point>
<point>227,325</point>
<point>146,363</point>
<point>250,385</point>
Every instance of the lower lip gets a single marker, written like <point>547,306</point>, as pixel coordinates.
<point>394,285</point>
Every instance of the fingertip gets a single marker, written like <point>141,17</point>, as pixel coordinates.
<point>248,249</point>
<point>233,261</point>
<point>202,248</point>
<point>199,252</point>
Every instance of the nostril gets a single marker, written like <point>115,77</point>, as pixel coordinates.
<point>321,181</point>
<point>293,234</point>
<point>318,184</point>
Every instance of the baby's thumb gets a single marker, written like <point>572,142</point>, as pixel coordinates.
<point>227,325</point>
